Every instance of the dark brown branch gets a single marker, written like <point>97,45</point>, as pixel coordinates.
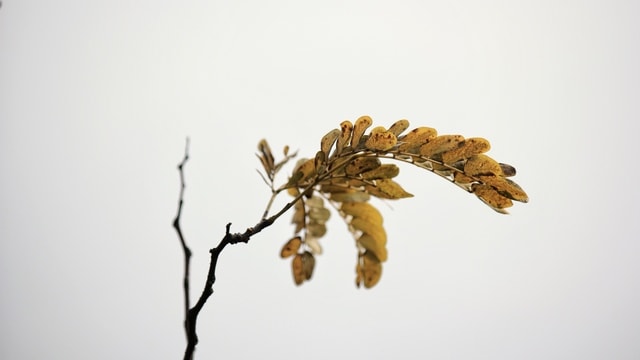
<point>191,313</point>
<point>185,248</point>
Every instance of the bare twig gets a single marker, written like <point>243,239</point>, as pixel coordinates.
<point>191,313</point>
<point>185,248</point>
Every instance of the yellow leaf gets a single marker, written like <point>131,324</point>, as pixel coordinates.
<point>306,168</point>
<point>345,135</point>
<point>491,197</point>
<point>291,247</point>
<point>368,270</point>
<point>440,144</point>
<point>461,178</point>
<point>361,164</point>
<point>482,165</point>
<point>372,244</point>
<point>385,171</point>
<point>359,128</point>
<point>398,127</point>
<point>387,189</point>
<point>415,138</point>
<point>375,230</point>
<point>350,196</point>
<point>468,148</point>
<point>506,187</point>
<point>362,210</point>
<point>381,141</point>
<point>298,216</point>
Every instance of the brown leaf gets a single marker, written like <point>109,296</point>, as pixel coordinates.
<point>291,247</point>
<point>359,128</point>
<point>361,164</point>
<point>387,189</point>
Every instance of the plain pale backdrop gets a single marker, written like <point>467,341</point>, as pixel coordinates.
<point>97,98</point>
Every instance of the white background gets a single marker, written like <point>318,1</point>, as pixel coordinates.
<point>97,98</point>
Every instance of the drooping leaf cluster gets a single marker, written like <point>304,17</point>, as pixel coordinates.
<point>347,171</point>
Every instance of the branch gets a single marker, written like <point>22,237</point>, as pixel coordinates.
<point>185,248</point>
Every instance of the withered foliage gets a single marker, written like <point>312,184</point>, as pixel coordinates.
<point>348,170</point>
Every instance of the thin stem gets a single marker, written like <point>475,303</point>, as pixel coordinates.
<point>185,249</point>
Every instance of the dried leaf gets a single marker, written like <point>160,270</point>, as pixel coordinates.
<point>267,157</point>
<point>320,162</point>
<point>482,165</point>
<point>372,244</point>
<point>381,141</point>
<point>297,268</point>
<point>319,214</point>
<point>387,189</point>
<point>316,229</point>
<point>362,210</point>
<point>399,127</point>
<point>415,138</point>
<point>461,178</point>
<point>441,144</point>
<point>298,216</point>
<point>361,125</point>
<point>385,171</point>
<point>361,164</point>
<point>350,196</point>
<point>375,230</point>
<point>346,129</point>
<point>508,170</point>
<point>291,247</point>
<point>303,171</point>
<point>308,263</point>
<point>368,270</point>
<point>468,148</point>
<point>313,244</point>
<point>491,197</point>
<point>506,187</point>
<point>328,140</point>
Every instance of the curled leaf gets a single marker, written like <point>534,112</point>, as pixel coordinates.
<point>266,157</point>
<point>368,270</point>
<point>346,129</point>
<point>328,140</point>
<point>359,128</point>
